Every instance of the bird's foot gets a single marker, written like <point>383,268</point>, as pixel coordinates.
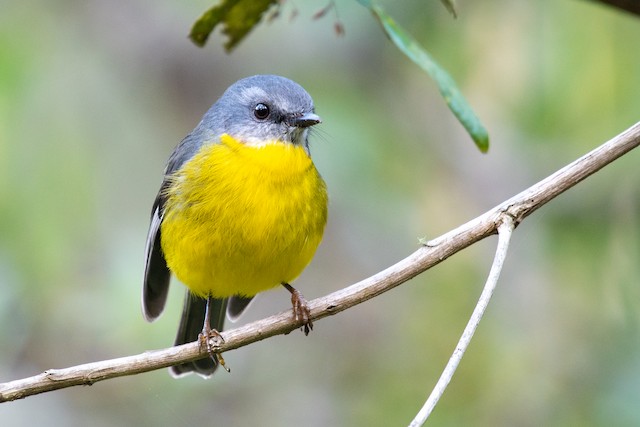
<point>209,339</point>
<point>301,311</point>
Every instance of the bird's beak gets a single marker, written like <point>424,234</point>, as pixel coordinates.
<point>305,120</point>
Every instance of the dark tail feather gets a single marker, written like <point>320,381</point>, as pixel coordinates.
<point>191,326</point>
<point>236,306</point>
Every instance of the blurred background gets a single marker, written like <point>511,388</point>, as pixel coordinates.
<point>94,95</point>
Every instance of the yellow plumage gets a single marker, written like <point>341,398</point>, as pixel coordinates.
<point>240,219</point>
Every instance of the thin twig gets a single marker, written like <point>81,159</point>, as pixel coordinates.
<point>505,231</point>
<point>432,253</point>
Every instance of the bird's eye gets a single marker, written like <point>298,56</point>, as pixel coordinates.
<point>261,111</point>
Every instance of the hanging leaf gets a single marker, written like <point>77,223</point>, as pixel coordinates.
<point>237,16</point>
<point>450,92</point>
<point>450,5</point>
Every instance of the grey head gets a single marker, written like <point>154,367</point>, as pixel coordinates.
<point>262,108</point>
<point>253,110</point>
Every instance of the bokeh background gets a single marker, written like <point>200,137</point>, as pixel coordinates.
<point>95,94</point>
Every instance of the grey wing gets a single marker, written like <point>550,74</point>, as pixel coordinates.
<point>157,274</point>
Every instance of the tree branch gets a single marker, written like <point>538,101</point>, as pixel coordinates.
<point>505,231</point>
<point>433,252</point>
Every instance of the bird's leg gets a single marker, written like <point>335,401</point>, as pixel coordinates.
<point>207,333</point>
<point>301,312</point>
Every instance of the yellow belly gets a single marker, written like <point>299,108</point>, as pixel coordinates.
<point>242,219</point>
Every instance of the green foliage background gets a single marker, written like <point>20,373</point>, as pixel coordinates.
<point>94,96</point>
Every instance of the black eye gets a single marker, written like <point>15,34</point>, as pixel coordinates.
<point>261,111</point>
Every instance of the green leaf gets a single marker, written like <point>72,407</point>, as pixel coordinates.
<point>450,92</point>
<point>238,17</point>
<point>450,5</point>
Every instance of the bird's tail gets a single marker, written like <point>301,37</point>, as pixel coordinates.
<point>190,328</point>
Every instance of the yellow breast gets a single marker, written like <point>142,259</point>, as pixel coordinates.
<point>242,219</point>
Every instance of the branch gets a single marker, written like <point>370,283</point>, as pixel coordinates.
<point>505,231</point>
<point>433,252</point>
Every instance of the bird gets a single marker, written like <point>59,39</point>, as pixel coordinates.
<point>241,209</point>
